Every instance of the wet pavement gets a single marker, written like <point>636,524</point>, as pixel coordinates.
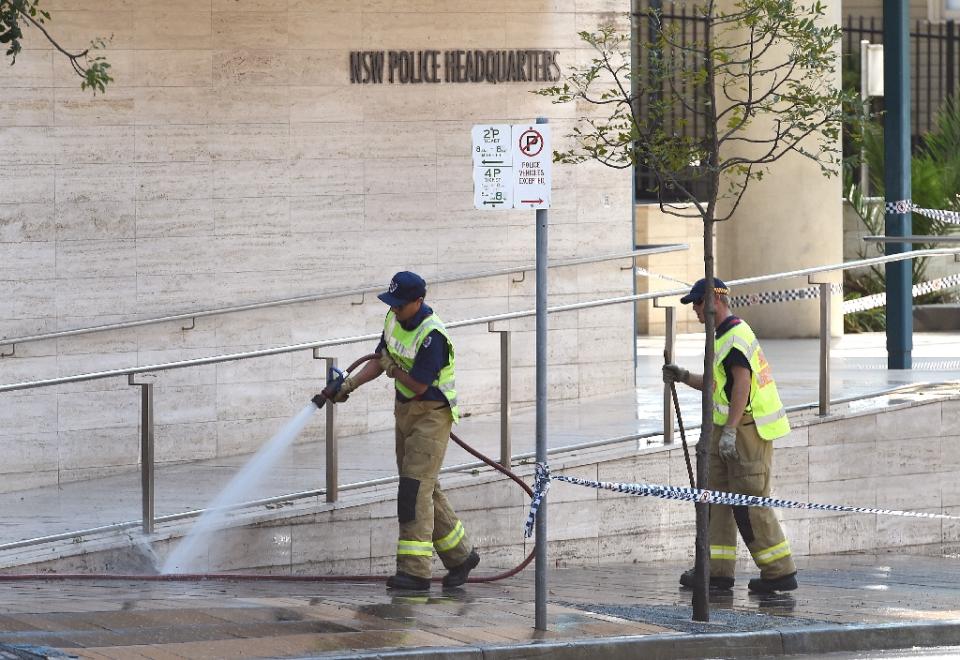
<point>628,603</point>
<point>611,604</point>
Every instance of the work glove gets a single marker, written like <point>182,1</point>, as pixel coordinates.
<point>728,444</point>
<point>673,373</point>
<point>388,364</point>
<point>343,393</point>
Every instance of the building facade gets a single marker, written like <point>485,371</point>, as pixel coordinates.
<point>259,149</point>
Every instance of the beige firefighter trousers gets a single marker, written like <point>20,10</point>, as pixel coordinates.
<point>758,526</point>
<point>427,521</point>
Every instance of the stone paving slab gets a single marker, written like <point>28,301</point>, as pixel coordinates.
<point>879,600</point>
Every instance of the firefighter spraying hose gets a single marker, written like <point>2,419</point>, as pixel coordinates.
<point>417,353</point>
<point>335,381</point>
<point>414,343</point>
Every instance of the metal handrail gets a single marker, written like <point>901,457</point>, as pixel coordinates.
<point>900,256</point>
<point>292,348</point>
<point>911,239</point>
<point>149,520</point>
<point>357,485</point>
<point>340,293</point>
<point>383,481</point>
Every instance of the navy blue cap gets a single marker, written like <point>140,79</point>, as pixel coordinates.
<point>404,287</point>
<point>700,287</point>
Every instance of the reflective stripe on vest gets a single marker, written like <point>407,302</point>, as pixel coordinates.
<point>403,346</point>
<point>764,403</point>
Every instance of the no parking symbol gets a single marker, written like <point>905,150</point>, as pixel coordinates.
<point>530,143</point>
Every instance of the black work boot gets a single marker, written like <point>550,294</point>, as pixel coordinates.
<point>408,582</point>
<point>783,583</point>
<point>687,579</point>
<point>458,574</point>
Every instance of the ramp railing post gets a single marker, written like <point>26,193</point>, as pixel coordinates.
<point>146,447</point>
<point>669,346</point>
<point>506,448</point>
<point>330,439</point>
<point>824,381</point>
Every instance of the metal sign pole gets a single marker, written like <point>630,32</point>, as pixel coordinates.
<point>540,613</point>
<point>512,170</point>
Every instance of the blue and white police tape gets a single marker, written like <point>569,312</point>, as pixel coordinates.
<point>880,299</point>
<point>783,295</point>
<point>904,206</point>
<point>541,484</point>
<point>849,306</point>
<point>699,495</point>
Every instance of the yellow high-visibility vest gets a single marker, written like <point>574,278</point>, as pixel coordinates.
<point>764,403</point>
<point>403,346</point>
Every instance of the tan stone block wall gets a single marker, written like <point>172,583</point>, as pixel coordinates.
<point>232,161</point>
<point>656,227</point>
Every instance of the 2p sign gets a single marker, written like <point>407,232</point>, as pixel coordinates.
<point>511,166</point>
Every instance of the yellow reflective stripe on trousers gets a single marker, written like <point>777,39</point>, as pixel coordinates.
<point>772,554</point>
<point>723,552</point>
<point>415,548</point>
<point>451,540</point>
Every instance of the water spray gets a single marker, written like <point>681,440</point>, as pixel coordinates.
<point>215,516</point>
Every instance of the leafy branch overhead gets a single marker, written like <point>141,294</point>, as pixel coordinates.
<point>724,99</point>
<point>92,67</point>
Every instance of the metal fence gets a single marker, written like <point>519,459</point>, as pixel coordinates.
<point>690,32</point>
<point>933,76</point>
<point>933,64</point>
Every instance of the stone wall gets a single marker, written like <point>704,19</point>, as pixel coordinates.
<point>232,161</point>
<point>655,227</point>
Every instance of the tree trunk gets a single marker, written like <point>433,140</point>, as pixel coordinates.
<point>701,601</point>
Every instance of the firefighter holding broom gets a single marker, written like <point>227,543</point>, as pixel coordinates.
<point>748,416</point>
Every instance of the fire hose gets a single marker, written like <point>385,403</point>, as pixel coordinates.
<point>335,379</point>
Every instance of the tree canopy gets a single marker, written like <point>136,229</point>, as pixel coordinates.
<point>758,81</point>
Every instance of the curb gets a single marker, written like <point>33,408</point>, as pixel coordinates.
<point>676,646</point>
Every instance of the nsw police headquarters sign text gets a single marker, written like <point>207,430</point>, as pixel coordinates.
<point>453,66</point>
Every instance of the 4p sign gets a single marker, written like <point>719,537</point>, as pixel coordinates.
<point>511,166</point>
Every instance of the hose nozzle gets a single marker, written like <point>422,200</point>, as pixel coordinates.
<point>335,379</point>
